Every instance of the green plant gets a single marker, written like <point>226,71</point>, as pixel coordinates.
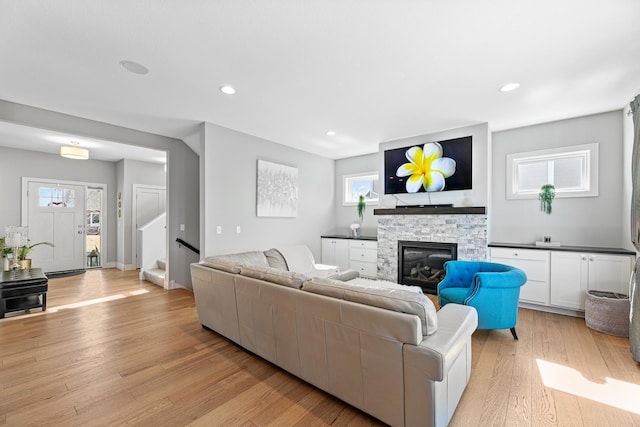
<point>546,196</point>
<point>361,206</point>
<point>4,249</point>
<point>24,251</point>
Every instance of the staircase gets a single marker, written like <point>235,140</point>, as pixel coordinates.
<point>156,275</point>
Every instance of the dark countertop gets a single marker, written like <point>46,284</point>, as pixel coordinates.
<point>564,248</point>
<point>345,236</point>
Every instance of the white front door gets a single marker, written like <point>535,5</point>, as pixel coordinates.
<point>149,204</point>
<point>56,215</point>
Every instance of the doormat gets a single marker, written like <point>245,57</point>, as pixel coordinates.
<point>66,273</point>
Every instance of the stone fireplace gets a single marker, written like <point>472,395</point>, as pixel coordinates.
<point>464,227</point>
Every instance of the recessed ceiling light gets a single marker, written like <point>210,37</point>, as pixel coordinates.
<point>331,133</point>
<point>134,67</point>
<point>227,90</point>
<point>509,87</point>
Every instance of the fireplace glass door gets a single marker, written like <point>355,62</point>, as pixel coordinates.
<point>422,263</point>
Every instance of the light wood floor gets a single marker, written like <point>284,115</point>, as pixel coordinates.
<point>111,350</point>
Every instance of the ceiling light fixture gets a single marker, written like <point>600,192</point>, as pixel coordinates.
<point>74,152</point>
<point>134,67</point>
<point>227,90</point>
<point>509,87</point>
<point>331,133</point>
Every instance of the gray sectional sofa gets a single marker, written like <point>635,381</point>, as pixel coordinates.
<point>375,345</point>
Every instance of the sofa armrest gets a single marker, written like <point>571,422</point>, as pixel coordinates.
<point>435,354</point>
<point>437,370</point>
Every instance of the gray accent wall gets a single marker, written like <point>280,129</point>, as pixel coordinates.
<point>478,195</point>
<point>228,164</point>
<point>586,221</point>
<point>182,173</point>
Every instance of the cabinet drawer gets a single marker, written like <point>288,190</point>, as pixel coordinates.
<point>365,268</point>
<point>367,255</point>
<point>535,292</point>
<point>519,254</point>
<point>363,244</point>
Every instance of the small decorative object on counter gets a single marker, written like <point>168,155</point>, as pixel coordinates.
<point>546,196</point>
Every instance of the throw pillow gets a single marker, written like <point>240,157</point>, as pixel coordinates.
<point>275,259</point>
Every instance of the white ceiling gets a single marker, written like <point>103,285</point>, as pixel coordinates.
<point>28,138</point>
<point>371,70</point>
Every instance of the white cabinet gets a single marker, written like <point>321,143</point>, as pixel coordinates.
<point>335,252</point>
<point>574,273</point>
<point>535,264</point>
<point>558,279</point>
<point>363,257</point>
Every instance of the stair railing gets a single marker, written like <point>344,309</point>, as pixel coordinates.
<point>187,245</point>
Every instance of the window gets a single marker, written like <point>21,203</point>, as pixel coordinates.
<point>56,197</point>
<point>572,170</point>
<point>365,184</point>
<point>93,219</point>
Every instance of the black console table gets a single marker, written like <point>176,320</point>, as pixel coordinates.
<point>22,290</point>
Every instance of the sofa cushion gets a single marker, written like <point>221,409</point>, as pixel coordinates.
<point>275,259</point>
<point>274,275</point>
<point>345,275</point>
<point>221,264</point>
<point>404,301</point>
<point>374,283</point>
<point>246,258</point>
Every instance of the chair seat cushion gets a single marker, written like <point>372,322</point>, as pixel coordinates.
<point>454,295</point>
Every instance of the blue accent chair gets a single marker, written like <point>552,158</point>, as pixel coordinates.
<point>492,289</point>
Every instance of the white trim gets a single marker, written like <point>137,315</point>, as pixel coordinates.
<point>588,152</point>
<point>24,214</point>
<point>134,213</point>
<point>345,178</point>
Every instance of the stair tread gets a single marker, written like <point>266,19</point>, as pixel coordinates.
<point>156,271</point>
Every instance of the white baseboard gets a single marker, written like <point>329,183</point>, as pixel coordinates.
<point>175,285</point>
<point>125,267</point>
<point>551,309</point>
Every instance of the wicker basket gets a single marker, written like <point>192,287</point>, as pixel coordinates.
<point>607,312</point>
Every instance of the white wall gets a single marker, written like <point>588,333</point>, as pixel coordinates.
<point>15,164</point>
<point>480,158</point>
<point>228,162</point>
<point>588,221</point>
<point>141,173</point>
<point>346,215</point>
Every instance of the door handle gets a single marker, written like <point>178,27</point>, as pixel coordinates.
<point>79,231</point>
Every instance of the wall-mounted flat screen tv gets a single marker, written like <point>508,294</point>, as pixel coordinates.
<point>433,166</point>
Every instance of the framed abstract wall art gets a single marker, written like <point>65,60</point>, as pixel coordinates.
<point>277,191</point>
